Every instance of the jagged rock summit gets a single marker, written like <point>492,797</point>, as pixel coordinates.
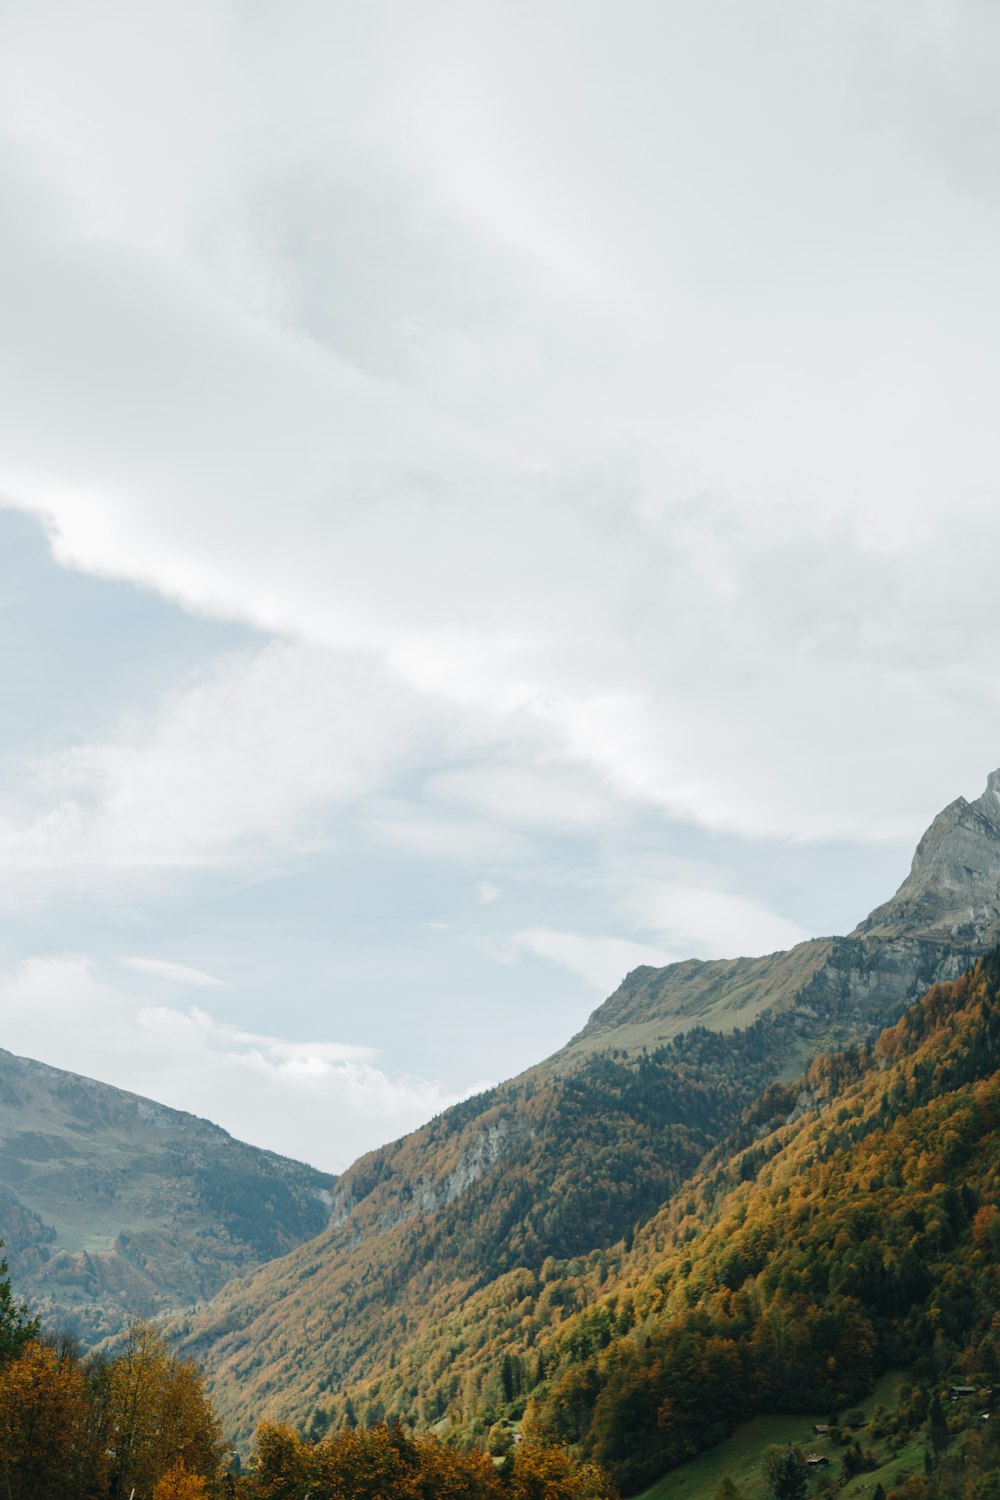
<point>952,893</point>
<point>944,916</point>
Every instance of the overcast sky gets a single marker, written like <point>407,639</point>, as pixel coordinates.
<point>493,494</point>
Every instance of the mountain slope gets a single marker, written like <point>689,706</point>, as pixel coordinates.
<point>112,1206</point>
<point>407,1298</point>
<point>545,1165</point>
<point>861,1233</point>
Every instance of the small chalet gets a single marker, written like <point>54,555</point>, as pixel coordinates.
<point>821,1429</point>
<point>958,1391</point>
<point>817,1461</point>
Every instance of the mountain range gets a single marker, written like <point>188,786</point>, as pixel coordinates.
<point>508,1261</point>
<point>449,1251</point>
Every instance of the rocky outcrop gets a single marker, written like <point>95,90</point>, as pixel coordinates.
<point>952,893</point>
<point>372,1203</point>
<point>944,916</point>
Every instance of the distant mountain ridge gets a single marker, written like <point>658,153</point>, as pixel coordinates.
<point>443,1243</point>
<point>114,1206</point>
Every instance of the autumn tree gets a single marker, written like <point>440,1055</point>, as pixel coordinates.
<point>179,1484</point>
<point>157,1415</point>
<point>541,1473</point>
<point>376,1462</point>
<point>42,1423</point>
<point>282,1465</point>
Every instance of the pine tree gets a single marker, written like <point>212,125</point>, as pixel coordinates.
<point>939,1426</point>
<point>790,1480</point>
<point>16,1328</point>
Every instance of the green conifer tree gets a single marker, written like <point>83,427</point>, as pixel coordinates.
<point>790,1480</point>
<point>16,1328</point>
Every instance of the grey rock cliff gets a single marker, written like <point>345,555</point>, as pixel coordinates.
<point>952,893</point>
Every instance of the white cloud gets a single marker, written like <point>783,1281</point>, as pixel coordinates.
<point>662,468</point>
<point>548,795</point>
<point>486,892</point>
<point>243,762</point>
<point>706,923</point>
<point>602,962</point>
<point>443,838</point>
<point>601,415</point>
<point>175,974</point>
<point>321,1102</point>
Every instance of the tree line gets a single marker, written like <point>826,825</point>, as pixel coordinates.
<point>103,1427</point>
<point>140,1424</point>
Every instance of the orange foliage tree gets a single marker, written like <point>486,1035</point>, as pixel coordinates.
<point>370,1464</point>
<point>42,1425</point>
<point>179,1484</point>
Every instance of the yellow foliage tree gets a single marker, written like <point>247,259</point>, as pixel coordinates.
<point>157,1415</point>
<point>42,1424</point>
<point>542,1473</point>
<point>178,1484</point>
<point>374,1463</point>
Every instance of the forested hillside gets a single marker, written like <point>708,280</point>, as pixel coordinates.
<point>805,1259</point>
<point>138,1424</point>
<point>851,1224</point>
<point>482,1197</point>
<point>454,1247</point>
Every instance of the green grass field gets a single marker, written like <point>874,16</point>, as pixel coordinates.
<point>742,1455</point>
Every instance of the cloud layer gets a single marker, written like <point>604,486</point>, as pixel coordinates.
<point>590,419</point>
<point>320,1102</point>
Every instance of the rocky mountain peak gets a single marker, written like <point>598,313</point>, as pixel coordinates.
<point>952,893</point>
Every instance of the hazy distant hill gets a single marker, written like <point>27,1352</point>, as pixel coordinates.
<point>440,1256</point>
<point>113,1206</point>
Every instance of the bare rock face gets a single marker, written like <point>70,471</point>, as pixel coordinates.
<point>952,893</point>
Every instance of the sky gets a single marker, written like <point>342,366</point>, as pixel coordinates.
<point>491,494</point>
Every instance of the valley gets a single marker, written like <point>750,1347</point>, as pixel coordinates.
<point>464,1243</point>
<point>749,1196</point>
